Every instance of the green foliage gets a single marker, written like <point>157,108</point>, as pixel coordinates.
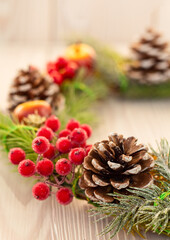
<point>135,90</point>
<point>15,135</point>
<point>144,208</point>
<point>81,94</point>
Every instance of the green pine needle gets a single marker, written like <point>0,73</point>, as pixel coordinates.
<point>148,208</point>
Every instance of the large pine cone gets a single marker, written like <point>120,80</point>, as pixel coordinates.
<point>151,60</point>
<point>32,85</point>
<point>114,165</point>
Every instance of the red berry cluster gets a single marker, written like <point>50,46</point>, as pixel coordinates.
<point>61,69</point>
<point>53,167</point>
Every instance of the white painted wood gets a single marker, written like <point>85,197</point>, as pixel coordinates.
<point>23,217</point>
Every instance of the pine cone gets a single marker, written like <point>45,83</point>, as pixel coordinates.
<point>114,165</point>
<point>151,61</point>
<point>32,85</point>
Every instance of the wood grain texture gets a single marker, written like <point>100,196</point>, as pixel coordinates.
<point>23,217</point>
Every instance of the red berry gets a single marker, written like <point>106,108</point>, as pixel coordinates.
<point>64,196</point>
<point>70,70</point>
<point>72,124</point>
<point>88,148</point>
<point>41,191</point>
<point>53,123</point>
<point>57,77</point>
<point>63,166</point>
<point>16,155</point>
<point>26,168</point>
<point>50,152</point>
<point>45,167</point>
<point>64,133</point>
<point>40,145</point>
<point>50,67</point>
<point>77,156</point>
<point>87,128</point>
<point>61,63</point>
<point>63,145</point>
<point>46,132</point>
<point>78,135</point>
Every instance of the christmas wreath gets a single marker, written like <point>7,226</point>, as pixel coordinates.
<point>123,180</point>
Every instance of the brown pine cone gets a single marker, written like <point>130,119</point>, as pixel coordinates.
<point>32,85</point>
<point>114,165</point>
<point>150,60</point>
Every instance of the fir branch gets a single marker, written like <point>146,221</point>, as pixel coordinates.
<point>147,208</point>
<point>15,135</point>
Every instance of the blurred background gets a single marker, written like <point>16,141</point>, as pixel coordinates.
<point>115,22</point>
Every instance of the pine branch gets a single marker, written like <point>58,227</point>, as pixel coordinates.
<point>13,135</point>
<point>147,208</point>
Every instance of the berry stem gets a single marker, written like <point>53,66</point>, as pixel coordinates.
<point>39,157</point>
<point>73,175</point>
<point>59,182</point>
<point>57,155</point>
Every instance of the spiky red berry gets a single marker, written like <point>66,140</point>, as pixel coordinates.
<point>26,168</point>
<point>78,135</point>
<point>87,128</point>
<point>63,166</point>
<point>16,155</point>
<point>61,63</point>
<point>57,77</point>
<point>46,132</point>
<point>88,148</point>
<point>63,145</point>
<point>64,196</point>
<point>65,133</point>
<point>53,123</point>
<point>41,191</point>
<point>72,124</point>
<point>40,145</point>
<point>45,167</point>
<point>77,156</point>
<point>50,152</point>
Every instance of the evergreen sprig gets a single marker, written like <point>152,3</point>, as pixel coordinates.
<point>16,135</point>
<point>147,209</point>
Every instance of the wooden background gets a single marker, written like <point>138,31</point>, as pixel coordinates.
<point>24,218</point>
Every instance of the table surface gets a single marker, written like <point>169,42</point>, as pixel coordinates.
<point>23,217</point>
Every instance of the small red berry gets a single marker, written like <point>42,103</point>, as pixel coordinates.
<point>50,67</point>
<point>63,145</point>
<point>45,167</point>
<point>61,63</point>
<point>72,124</point>
<point>53,123</point>
<point>64,196</point>
<point>46,132</point>
<point>87,128</point>
<point>77,156</point>
<point>57,77</point>
<point>50,152</point>
<point>63,166</point>
<point>88,148</point>
<point>41,191</point>
<point>40,145</point>
<point>65,133</point>
<point>78,135</point>
<point>16,155</point>
<point>26,168</point>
